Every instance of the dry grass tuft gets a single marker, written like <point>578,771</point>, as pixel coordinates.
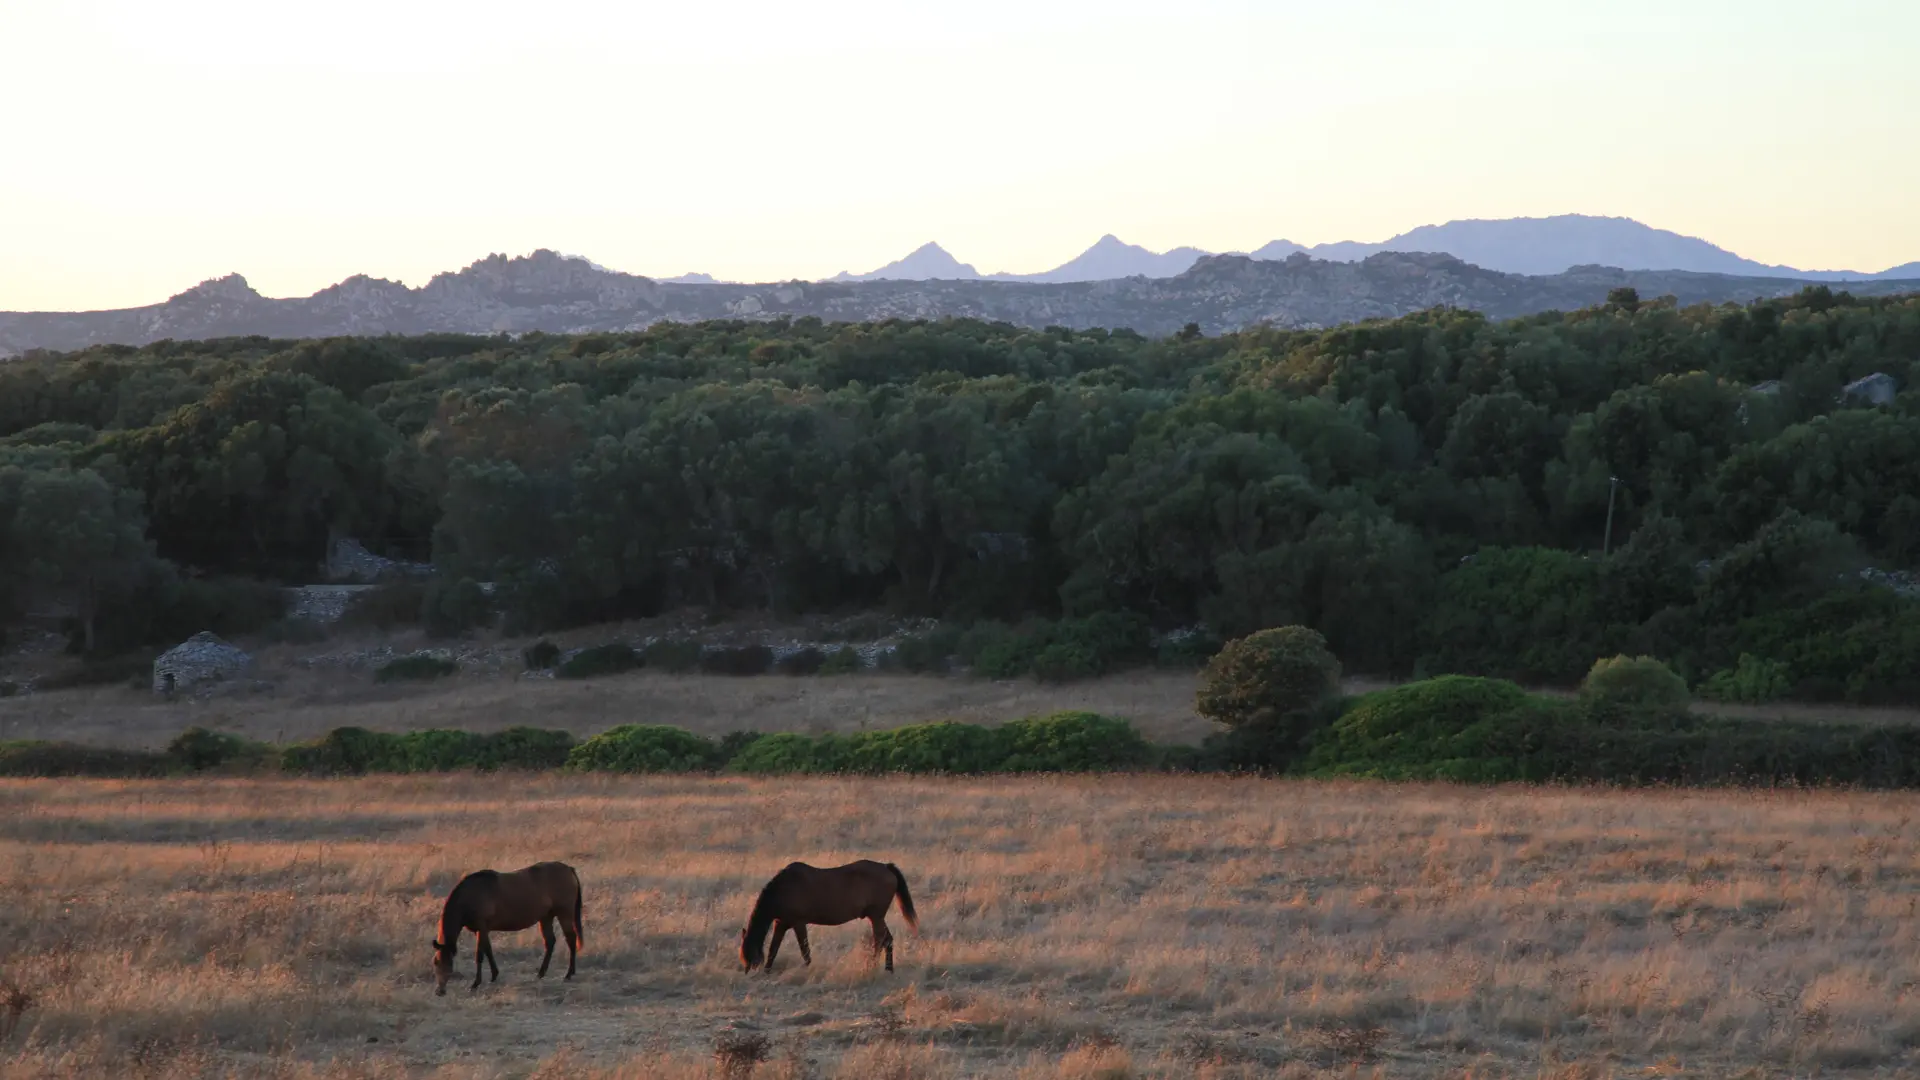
<point>1072,928</point>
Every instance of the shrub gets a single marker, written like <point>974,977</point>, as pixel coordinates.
<point>384,607</point>
<point>1443,728</point>
<point>541,655</point>
<point>1072,742</point>
<point>450,609</point>
<point>523,748</point>
<point>1622,685</point>
<point>745,660</point>
<point>731,745</point>
<point>928,653</point>
<point>790,752</point>
<point>1266,677</point>
<point>415,666</point>
<point>9,688</point>
<point>613,658</point>
<point>344,751</point>
<point>643,748</point>
<point>1064,661</point>
<point>940,747</point>
<point>34,757</point>
<point>1751,681</point>
<point>199,750</point>
<point>845,660</point>
<point>674,657</point>
<point>433,750</point>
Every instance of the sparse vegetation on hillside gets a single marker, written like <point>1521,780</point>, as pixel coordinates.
<point>1429,493</point>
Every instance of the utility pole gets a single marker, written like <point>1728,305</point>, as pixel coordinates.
<point>1606,545</point>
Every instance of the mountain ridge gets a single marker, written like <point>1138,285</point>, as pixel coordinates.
<point>553,293</point>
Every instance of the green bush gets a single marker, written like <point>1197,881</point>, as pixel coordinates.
<point>613,658</point>
<point>1072,742</point>
<point>1065,661</point>
<point>673,657</point>
<point>352,751</point>
<point>941,747</point>
<point>199,750</point>
<point>540,656</point>
<point>928,653</point>
<point>33,757</point>
<point>732,744</point>
<point>451,609</point>
<point>786,752</point>
<point>344,751</point>
<point>1266,677</point>
<point>845,660</point>
<point>415,666</point>
<point>523,748</point>
<point>643,748</point>
<point>1633,686</point>
<point>1751,681</point>
<point>807,661</point>
<point>1448,728</point>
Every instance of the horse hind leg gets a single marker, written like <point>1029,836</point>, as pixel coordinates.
<point>572,933</point>
<point>883,938</point>
<point>547,936</point>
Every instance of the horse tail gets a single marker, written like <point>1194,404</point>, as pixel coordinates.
<point>579,928</point>
<point>906,898</point>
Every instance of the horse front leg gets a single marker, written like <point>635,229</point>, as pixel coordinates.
<point>547,935</point>
<point>479,957</point>
<point>773,950</point>
<point>800,937</point>
<point>493,966</point>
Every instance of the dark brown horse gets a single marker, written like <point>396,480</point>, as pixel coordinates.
<point>488,901</point>
<point>802,894</point>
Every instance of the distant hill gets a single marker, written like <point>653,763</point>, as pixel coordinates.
<point>1544,245</point>
<point>553,293</point>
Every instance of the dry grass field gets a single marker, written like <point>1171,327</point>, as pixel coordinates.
<point>1071,928</point>
<point>307,704</point>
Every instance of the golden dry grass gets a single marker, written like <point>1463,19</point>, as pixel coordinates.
<point>1118,927</point>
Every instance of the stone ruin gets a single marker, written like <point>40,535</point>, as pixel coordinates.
<point>201,659</point>
<point>349,562</point>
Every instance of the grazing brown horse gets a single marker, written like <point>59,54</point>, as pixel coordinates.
<point>487,901</point>
<point>800,894</point>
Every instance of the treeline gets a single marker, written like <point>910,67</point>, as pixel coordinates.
<point>1431,492</point>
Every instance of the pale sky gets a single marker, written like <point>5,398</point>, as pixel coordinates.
<point>147,145</point>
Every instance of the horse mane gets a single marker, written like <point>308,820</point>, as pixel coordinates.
<point>456,905</point>
<point>761,920</point>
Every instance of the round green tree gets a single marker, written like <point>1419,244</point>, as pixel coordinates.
<point>1271,685</point>
<point>1621,685</point>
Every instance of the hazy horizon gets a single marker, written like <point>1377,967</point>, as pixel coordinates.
<point>158,147</point>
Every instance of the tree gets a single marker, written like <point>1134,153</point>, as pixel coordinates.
<point>1274,683</point>
<point>72,532</point>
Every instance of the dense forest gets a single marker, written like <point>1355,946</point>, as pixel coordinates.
<point>1432,493</point>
